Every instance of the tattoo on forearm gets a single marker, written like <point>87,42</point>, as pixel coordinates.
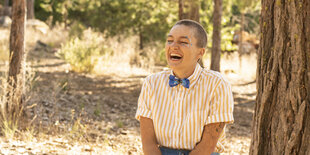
<point>220,127</point>
<point>215,129</point>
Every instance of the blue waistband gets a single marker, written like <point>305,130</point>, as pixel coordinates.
<point>169,151</point>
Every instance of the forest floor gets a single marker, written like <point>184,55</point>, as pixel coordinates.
<point>76,113</point>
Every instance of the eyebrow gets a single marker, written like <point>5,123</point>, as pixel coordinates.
<point>186,37</point>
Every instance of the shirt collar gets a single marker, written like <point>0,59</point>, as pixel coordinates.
<point>194,77</point>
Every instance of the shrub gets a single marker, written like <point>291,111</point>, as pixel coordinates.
<point>83,54</point>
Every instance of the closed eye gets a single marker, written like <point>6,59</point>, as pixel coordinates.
<point>169,41</point>
<point>183,43</point>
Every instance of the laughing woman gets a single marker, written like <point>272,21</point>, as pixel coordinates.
<point>184,110</point>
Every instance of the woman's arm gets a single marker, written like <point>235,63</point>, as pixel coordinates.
<point>210,136</point>
<point>149,142</point>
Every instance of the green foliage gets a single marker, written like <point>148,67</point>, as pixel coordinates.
<point>76,30</point>
<point>251,11</point>
<point>53,10</point>
<point>149,19</point>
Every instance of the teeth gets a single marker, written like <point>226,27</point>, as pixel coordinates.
<point>177,55</point>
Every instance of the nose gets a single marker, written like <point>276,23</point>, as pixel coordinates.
<point>174,45</point>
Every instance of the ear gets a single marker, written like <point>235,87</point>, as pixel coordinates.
<point>201,52</point>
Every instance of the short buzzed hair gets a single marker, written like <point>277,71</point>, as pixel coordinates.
<point>200,33</point>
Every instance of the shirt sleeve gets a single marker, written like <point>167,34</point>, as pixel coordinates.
<point>222,104</point>
<point>144,101</point>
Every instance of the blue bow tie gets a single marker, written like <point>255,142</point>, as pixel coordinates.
<point>173,81</point>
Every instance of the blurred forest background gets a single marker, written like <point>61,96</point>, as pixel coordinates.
<point>85,62</point>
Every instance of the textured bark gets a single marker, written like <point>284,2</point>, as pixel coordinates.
<point>216,36</point>
<point>17,43</point>
<point>181,9</point>
<point>6,9</point>
<point>189,9</point>
<point>30,9</point>
<point>281,123</point>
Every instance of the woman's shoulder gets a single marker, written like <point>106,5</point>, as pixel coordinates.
<point>157,76</point>
<point>211,74</point>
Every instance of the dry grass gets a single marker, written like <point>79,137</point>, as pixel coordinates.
<point>53,37</point>
<point>11,97</point>
<point>4,45</point>
<point>102,55</point>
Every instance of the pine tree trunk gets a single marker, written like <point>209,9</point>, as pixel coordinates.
<point>6,8</point>
<point>30,9</point>
<point>240,44</point>
<point>16,76</point>
<point>181,9</point>
<point>216,36</point>
<point>281,123</point>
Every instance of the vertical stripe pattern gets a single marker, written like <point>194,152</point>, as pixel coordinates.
<point>180,114</point>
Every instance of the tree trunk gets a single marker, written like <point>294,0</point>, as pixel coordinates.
<point>240,44</point>
<point>216,36</point>
<point>181,9</point>
<point>30,9</point>
<point>281,123</point>
<point>16,76</point>
<point>189,9</point>
<point>6,8</point>
<point>140,40</point>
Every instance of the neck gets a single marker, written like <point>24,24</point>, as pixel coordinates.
<point>183,73</point>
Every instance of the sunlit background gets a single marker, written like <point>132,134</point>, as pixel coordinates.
<point>86,61</point>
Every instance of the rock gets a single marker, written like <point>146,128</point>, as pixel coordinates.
<point>5,21</point>
<point>37,25</point>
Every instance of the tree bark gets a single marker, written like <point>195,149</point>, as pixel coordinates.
<point>6,8</point>
<point>30,9</point>
<point>189,9</point>
<point>240,44</point>
<point>216,36</point>
<point>16,76</point>
<point>181,9</point>
<point>281,123</point>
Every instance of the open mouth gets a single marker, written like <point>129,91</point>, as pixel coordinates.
<point>175,57</point>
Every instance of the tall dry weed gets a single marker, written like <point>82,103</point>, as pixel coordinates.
<point>13,97</point>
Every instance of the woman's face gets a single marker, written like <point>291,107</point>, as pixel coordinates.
<point>181,48</point>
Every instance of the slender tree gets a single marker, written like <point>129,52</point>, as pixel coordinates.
<point>216,36</point>
<point>16,76</point>
<point>30,9</point>
<point>6,9</point>
<point>281,123</point>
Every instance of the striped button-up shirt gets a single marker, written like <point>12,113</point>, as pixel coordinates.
<point>179,114</point>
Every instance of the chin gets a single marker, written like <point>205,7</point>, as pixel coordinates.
<point>174,66</point>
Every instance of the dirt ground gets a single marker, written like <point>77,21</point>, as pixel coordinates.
<point>76,113</point>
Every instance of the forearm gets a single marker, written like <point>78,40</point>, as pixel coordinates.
<point>209,139</point>
<point>149,142</point>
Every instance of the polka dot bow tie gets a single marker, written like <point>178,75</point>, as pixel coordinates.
<point>173,81</point>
